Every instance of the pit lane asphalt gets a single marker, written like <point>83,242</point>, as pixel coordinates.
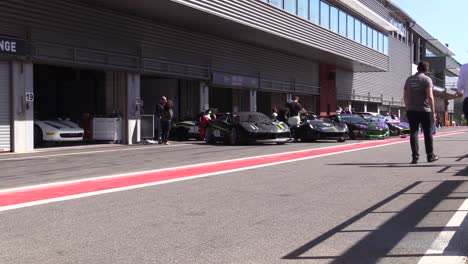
<point>346,208</point>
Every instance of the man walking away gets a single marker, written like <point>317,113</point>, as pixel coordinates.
<point>157,118</point>
<point>462,89</point>
<point>166,118</point>
<point>419,102</point>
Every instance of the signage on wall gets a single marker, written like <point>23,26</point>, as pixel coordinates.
<point>12,46</point>
<point>29,97</point>
<point>233,80</point>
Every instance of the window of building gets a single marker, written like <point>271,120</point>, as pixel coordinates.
<point>385,45</point>
<point>303,8</point>
<point>369,37</point>
<point>357,30</point>
<point>314,13</point>
<point>342,21</point>
<point>334,19</point>
<point>324,15</point>
<point>290,6</point>
<point>350,27</point>
<point>363,34</point>
<point>278,3</point>
<point>375,40</point>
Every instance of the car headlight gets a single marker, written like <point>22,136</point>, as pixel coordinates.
<point>311,126</point>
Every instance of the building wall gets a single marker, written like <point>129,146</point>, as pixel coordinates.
<point>389,84</point>
<point>71,33</point>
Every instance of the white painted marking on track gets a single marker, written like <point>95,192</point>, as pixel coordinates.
<point>90,152</point>
<point>443,239</point>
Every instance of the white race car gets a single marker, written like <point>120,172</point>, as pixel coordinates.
<point>56,130</point>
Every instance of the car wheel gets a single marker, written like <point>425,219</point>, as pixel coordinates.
<point>280,143</point>
<point>233,137</point>
<point>209,138</point>
<point>341,140</point>
<point>37,136</point>
<point>181,134</point>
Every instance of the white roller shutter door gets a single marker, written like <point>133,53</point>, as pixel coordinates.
<point>5,141</point>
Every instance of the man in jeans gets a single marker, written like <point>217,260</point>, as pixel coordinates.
<point>419,102</point>
<point>462,89</point>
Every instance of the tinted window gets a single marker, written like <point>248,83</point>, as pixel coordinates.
<point>290,6</point>
<point>278,3</point>
<point>357,30</point>
<point>314,11</point>
<point>303,8</point>
<point>342,27</point>
<point>350,27</point>
<point>369,37</point>
<point>252,117</point>
<point>363,34</point>
<point>334,19</point>
<point>375,41</point>
<point>385,42</point>
<point>324,15</point>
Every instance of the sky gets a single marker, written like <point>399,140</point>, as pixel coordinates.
<point>445,20</point>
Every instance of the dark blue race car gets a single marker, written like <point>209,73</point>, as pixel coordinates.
<point>361,128</point>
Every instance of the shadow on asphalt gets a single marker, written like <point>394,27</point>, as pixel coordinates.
<point>380,242</point>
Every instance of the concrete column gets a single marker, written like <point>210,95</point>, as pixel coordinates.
<point>399,113</point>
<point>288,97</point>
<point>365,107</point>
<point>378,109</point>
<point>253,100</point>
<point>133,108</point>
<point>204,97</point>
<point>23,112</point>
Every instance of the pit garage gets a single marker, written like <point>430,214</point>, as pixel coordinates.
<point>74,106</point>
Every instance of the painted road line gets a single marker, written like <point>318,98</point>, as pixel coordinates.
<point>88,152</point>
<point>42,194</point>
<point>442,241</point>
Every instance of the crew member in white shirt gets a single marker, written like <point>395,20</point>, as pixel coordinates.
<point>462,89</point>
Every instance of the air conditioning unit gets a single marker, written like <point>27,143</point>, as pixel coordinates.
<point>109,129</point>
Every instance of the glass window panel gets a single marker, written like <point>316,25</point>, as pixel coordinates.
<point>342,27</point>
<point>303,8</point>
<point>381,42</point>
<point>314,11</point>
<point>278,3</point>
<point>334,19</point>
<point>374,39</point>
<point>357,30</point>
<point>324,15</point>
<point>350,27</point>
<point>363,34</point>
<point>369,37</point>
<point>290,6</point>
<point>385,49</point>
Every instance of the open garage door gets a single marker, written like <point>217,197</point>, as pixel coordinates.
<point>5,122</point>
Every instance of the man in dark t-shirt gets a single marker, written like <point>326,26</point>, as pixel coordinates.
<point>419,102</point>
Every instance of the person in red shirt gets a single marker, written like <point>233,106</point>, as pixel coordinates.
<point>203,123</point>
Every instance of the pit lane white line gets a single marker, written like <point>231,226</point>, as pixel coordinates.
<point>90,152</point>
<point>443,239</point>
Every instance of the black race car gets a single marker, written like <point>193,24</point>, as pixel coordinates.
<point>313,128</point>
<point>246,127</point>
<point>361,128</point>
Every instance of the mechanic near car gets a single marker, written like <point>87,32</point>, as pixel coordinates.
<point>205,117</point>
<point>462,89</point>
<point>419,103</point>
<point>295,109</point>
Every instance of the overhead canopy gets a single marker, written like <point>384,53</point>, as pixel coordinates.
<point>360,8</point>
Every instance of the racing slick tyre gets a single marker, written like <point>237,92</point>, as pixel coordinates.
<point>181,134</point>
<point>233,137</point>
<point>209,138</point>
<point>37,136</point>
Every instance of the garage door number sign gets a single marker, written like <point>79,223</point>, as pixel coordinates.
<point>29,97</point>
